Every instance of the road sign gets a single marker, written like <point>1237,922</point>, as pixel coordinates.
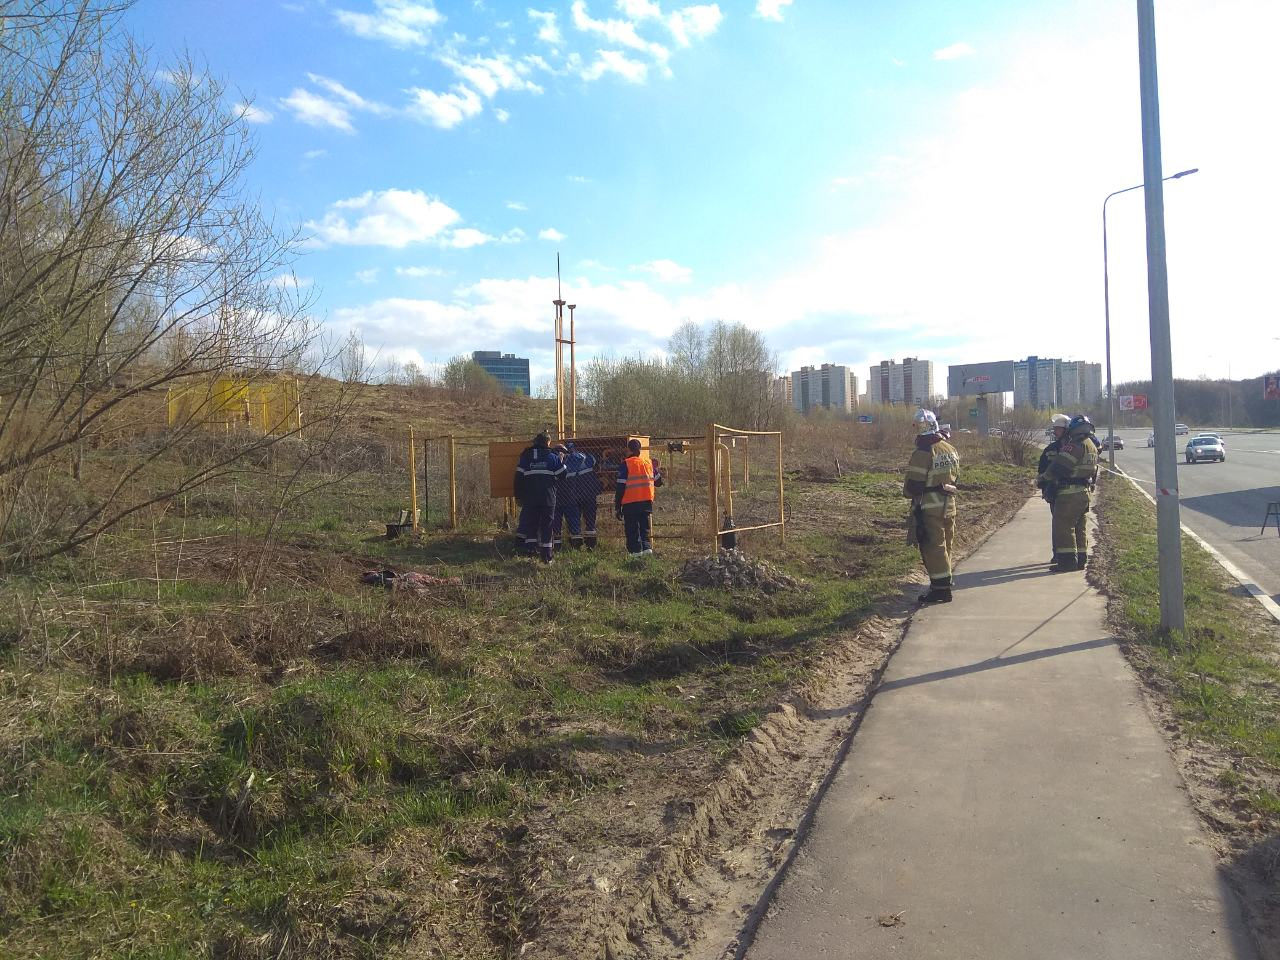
<point>973,411</point>
<point>864,419</point>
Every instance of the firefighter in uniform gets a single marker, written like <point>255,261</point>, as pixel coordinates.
<point>537,472</point>
<point>1049,490</point>
<point>576,498</point>
<point>633,498</point>
<point>1074,470</point>
<point>930,483</point>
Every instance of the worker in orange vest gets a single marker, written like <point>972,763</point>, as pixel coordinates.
<point>633,498</point>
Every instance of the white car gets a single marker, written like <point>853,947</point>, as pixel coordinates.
<point>1181,428</point>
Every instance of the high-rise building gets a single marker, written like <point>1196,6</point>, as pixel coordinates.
<point>782,390</point>
<point>1079,383</point>
<point>910,382</point>
<point>1045,383</point>
<point>1035,382</point>
<point>508,369</point>
<point>831,386</point>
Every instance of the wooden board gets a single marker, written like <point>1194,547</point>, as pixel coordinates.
<point>608,451</point>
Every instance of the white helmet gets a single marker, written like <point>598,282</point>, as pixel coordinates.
<point>926,422</point>
<point>1059,420</point>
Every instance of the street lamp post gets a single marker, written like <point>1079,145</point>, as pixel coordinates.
<point>1106,306</point>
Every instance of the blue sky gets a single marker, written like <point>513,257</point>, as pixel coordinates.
<point>857,180</point>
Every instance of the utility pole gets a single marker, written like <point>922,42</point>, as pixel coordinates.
<point>1168,524</point>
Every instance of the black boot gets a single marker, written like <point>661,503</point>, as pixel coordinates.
<point>1064,563</point>
<point>1081,560</point>
<point>936,595</point>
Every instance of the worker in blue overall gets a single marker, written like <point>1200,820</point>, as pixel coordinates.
<point>537,473</point>
<point>576,498</point>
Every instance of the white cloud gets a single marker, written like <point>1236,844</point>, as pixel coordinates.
<point>514,235</point>
<point>288,281</point>
<point>502,116</point>
<point>621,32</point>
<point>317,111</point>
<point>445,110</point>
<point>639,9</point>
<point>488,75</point>
<point>468,237</point>
<point>388,218</point>
<point>516,205</point>
<point>552,234</point>
<point>419,272</point>
<point>667,271</point>
<point>954,52</point>
<point>398,22</point>
<point>611,61</point>
<point>694,23</point>
<point>347,96</point>
<point>548,29</point>
<point>771,9</point>
<point>576,178</point>
<point>252,114</point>
<point>367,276</point>
<point>315,154</point>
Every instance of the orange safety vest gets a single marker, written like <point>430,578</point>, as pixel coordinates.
<point>639,482</point>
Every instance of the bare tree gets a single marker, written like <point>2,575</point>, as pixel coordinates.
<point>132,261</point>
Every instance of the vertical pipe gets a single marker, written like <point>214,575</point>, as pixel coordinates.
<point>713,493</point>
<point>426,482</point>
<point>746,462</point>
<point>573,379</point>
<point>453,483</point>
<point>413,483</point>
<point>782,499</point>
<point>1168,526</point>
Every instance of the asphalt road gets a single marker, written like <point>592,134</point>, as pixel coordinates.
<point>1224,502</point>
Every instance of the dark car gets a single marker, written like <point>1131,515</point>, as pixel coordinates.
<point>1205,448</point>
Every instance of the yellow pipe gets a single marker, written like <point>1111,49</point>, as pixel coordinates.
<point>782,507</point>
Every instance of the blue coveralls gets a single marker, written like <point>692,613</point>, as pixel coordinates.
<point>537,472</point>
<point>576,499</point>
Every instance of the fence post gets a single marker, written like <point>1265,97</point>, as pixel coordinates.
<point>782,501</point>
<point>453,483</point>
<point>426,482</point>
<point>413,482</point>
<point>712,485</point>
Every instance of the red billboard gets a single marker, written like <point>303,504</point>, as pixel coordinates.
<point>1271,386</point>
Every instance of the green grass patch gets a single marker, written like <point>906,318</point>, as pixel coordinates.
<point>1222,671</point>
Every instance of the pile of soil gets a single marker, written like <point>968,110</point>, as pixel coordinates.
<point>733,569</point>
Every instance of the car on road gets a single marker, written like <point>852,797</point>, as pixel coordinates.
<point>1205,448</point>
<point>1181,428</point>
<point>1151,439</point>
<point>1216,436</point>
<point>1107,443</point>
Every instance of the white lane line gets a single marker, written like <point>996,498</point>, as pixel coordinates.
<point>1241,577</point>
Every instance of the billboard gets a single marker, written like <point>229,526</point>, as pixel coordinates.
<point>1271,386</point>
<point>971,379</point>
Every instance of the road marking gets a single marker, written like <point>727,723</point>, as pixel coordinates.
<point>1241,577</point>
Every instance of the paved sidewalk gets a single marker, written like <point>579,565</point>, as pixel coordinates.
<point>1007,795</point>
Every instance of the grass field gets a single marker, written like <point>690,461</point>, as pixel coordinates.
<point>217,742</point>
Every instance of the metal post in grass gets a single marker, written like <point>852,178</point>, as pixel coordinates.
<point>782,508</point>
<point>713,492</point>
<point>453,483</point>
<point>413,482</point>
<point>1168,526</point>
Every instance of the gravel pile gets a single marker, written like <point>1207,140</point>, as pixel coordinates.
<point>732,568</point>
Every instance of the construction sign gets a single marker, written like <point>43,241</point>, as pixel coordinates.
<point>1271,386</point>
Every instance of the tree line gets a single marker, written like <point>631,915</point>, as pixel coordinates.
<point>1205,402</point>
